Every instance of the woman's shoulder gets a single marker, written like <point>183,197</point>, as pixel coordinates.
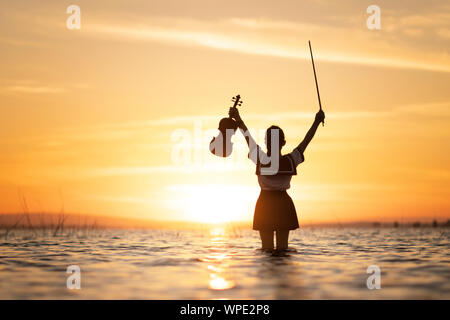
<point>296,156</point>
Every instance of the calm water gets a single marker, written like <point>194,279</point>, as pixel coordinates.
<point>324,264</point>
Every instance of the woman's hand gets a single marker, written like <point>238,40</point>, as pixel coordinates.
<point>320,117</point>
<point>234,114</point>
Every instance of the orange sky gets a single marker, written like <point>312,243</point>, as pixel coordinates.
<point>91,113</point>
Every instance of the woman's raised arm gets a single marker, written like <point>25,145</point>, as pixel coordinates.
<point>320,116</point>
<point>234,113</point>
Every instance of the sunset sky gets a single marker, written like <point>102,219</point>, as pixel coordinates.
<point>91,117</point>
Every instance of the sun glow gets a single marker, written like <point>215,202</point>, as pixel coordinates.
<point>215,203</point>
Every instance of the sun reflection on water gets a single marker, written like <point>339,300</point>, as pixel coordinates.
<point>217,231</point>
<point>219,260</point>
<point>218,283</point>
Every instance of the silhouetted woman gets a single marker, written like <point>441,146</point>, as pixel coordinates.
<point>274,209</point>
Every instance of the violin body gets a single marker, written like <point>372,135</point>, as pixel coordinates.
<point>221,145</point>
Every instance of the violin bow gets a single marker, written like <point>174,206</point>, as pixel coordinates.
<point>315,78</point>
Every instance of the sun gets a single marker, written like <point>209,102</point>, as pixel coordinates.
<point>215,203</point>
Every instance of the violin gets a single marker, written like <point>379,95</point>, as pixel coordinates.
<point>221,145</point>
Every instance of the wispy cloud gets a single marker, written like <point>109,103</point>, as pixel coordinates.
<point>125,130</point>
<point>432,109</point>
<point>281,116</point>
<point>21,43</point>
<point>29,86</point>
<point>169,169</point>
<point>423,20</point>
<point>444,33</point>
<point>279,39</point>
<point>34,89</point>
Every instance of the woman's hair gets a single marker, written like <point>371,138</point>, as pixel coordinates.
<point>281,139</point>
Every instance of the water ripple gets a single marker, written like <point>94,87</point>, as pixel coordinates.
<point>322,263</point>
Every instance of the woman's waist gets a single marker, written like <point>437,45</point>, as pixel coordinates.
<point>273,191</point>
<point>274,183</point>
